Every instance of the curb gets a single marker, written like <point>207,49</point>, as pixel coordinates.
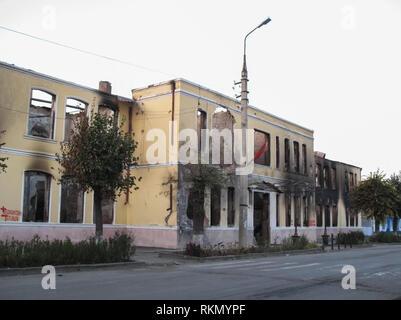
<point>181,256</point>
<point>70,268</point>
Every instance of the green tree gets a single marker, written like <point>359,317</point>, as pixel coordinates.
<point>375,197</point>
<point>98,156</point>
<point>3,165</point>
<point>202,176</point>
<point>395,182</point>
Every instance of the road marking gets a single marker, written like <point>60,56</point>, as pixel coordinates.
<point>244,265</point>
<point>291,267</point>
<point>302,266</point>
<point>261,266</point>
<point>224,263</point>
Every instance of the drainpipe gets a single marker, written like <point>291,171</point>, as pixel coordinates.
<point>130,132</point>
<point>172,82</point>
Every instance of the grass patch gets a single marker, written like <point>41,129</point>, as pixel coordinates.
<point>38,252</point>
<point>220,249</point>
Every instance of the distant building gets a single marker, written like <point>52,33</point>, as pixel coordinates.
<point>333,180</point>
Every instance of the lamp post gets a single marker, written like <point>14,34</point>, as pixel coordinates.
<point>244,126</point>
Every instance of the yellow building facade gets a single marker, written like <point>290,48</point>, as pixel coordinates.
<point>37,111</point>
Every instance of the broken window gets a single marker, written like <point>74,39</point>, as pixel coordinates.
<point>352,220</point>
<point>201,124</point>
<point>36,196</point>
<point>277,210</point>
<point>334,216</point>
<point>333,174</point>
<point>262,148</point>
<point>107,211</point>
<point>327,216</point>
<point>351,179</point>
<point>107,110</point>
<point>306,215</point>
<point>215,207</point>
<point>296,156</point>
<point>347,217</point>
<point>230,207</point>
<point>287,154</point>
<point>288,210</point>
<point>72,202</point>
<point>356,179</point>
<point>346,182</point>
<point>73,109</point>
<point>319,222</point>
<point>325,177</point>
<point>222,138</point>
<point>277,152</point>
<point>297,211</point>
<point>41,114</point>
<point>318,173</point>
<point>305,160</point>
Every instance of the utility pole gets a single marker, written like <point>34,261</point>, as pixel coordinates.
<point>243,214</point>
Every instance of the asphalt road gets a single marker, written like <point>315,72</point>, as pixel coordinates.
<point>313,276</point>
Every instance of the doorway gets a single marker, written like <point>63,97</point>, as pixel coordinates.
<point>261,218</point>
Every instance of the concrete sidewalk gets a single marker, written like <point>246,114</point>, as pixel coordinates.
<point>150,256</point>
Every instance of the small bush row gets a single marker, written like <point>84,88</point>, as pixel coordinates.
<point>386,237</point>
<point>38,252</point>
<point>354,237</point>
<point>195,250</point>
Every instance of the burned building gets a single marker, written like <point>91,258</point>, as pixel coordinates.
<point>333,180</point>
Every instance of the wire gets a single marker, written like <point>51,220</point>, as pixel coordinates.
<point>88,52</point>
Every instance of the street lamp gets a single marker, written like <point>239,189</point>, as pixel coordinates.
<point>244,126</point>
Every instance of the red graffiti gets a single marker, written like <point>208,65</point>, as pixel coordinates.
<point>10,215</point>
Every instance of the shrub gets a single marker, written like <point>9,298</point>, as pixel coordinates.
<point>291,243</point>
<point>38,252</point>
<point>386,237</point>
<point>354,237</point>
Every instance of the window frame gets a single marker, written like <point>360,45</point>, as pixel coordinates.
<point>49,203</point>
<point>87,104</point>
<point>52,138</point>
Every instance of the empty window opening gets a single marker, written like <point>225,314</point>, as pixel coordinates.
<point>41,114</point>
<point>215,207</point>
<point>346,182</point>
<point>327,216</point>
<point>277,152</point>
<point>306,214</point>
<point>319,220</point>
<point>287,155</point>
<point>318,173</point>
<point>262,148</point>
<point>296,156</point>
<point>107,110</point>
<point>73,109</point>
<point>351,179</point>
<point>288,210</point>
<point>230,207</point>
<point>326,177</point>
<point>107,211</point>
<point>297,211</point>
<point>36,196</point>
<point>201,124</point>
<point>222,138</point>
<point>305,160</point>
<point>333,174</point>
<point>277,210</point>
<point>72,202</point>
<point>261,217</point>
<point>335,216</point>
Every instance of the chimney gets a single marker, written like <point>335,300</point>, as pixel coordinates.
<point>105,86</point>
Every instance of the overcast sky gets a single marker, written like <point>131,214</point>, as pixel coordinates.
<point>333,66</point>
